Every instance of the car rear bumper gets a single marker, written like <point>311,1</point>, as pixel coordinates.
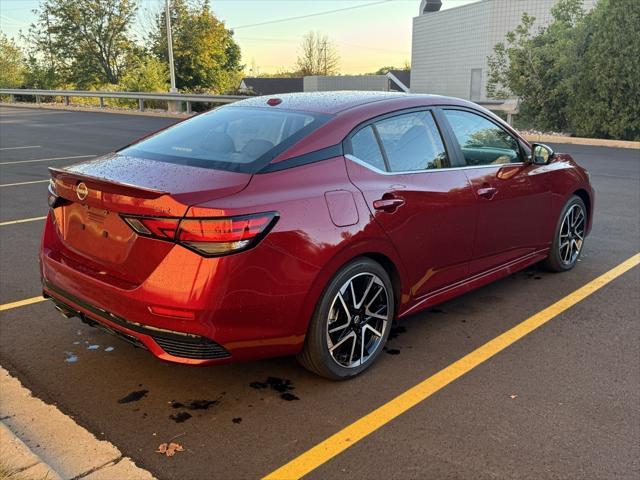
<point>189,309</point>
<point>169,345</point>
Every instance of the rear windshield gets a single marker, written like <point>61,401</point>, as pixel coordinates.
<point>238,139</point>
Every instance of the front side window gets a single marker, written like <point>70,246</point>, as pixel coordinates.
<point>228,138</point>
<point>412,142</point>
<point>482,141</point>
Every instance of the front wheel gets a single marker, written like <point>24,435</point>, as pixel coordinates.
<point>351,322</point>
<point>569,236</point>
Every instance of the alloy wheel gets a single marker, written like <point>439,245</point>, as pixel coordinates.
<point>572,234</point>
<point>357,320</point>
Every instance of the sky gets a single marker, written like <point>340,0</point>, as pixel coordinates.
<point>368,34</point>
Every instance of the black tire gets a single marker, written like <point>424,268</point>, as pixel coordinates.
<point>559,259</point>
<point>316,355</point>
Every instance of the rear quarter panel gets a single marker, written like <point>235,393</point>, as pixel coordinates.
<point>291,267</point>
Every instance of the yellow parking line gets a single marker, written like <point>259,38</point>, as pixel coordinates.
<point>23,183</point>
<point>24,220</point>
<point>339,442</point>
<point>21,303</point>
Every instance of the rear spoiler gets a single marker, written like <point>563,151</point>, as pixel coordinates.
<point>104,185</point>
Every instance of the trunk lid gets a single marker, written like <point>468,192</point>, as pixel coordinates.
<point>140,186</point>
<point>93,235</point>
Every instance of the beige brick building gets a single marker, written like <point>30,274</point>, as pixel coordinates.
<point>450,47</point>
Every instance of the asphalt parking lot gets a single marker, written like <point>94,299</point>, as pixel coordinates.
<point>562,402</point>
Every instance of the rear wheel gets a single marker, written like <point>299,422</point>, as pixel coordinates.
<point>569,236</point>
<point>351,322</point>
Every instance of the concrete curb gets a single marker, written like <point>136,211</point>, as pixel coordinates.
<point>594,142</point>
<point>40,437</point>
<point>19,458</point>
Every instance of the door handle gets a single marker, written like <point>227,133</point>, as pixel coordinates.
<point>487,192</point>
<point>388,204</point>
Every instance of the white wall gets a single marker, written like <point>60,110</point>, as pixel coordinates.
<point>448,44</point>
<point>346,82</point>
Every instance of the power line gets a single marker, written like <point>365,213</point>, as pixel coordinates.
<point>317,14</point>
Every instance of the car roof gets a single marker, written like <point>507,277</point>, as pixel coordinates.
<point>336,102</point>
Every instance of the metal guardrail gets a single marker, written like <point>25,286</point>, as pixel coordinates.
<point>140,96</point>
<point>510,107</point>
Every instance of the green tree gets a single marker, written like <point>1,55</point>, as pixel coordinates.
<point>606,87</point>
<point>206,57</point>
<point>12,63</point>
<point>318,55</point>
<point>147,74</point>
<point>538,68</point>
<point>579,74</point>
<point>406,66</point>
<point>86,42</point>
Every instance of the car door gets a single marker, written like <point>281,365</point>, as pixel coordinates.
<point>512,205</point>
<point>401,166</point>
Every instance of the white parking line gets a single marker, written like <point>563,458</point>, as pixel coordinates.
<point>46,159</point>
<point>24,220</point>
<point>18,148</point>
<point>22,183</point>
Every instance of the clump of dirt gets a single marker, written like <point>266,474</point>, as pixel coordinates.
<point>280,385</point>
<point>180,417</point>
<point>195,404</point>
<point>134,396</point>
<point>396,331</point>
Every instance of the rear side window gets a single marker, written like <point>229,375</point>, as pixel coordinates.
<point>482,141</point>
<point>365,146</point>
<point>229,138</point>
<point>412,142</point>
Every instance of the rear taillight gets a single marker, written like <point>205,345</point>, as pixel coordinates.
<point>156,227</point>
<point>53,199</point>
<point>210,237</point>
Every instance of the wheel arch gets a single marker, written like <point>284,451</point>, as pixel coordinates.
<point>586,198</point>
<point>378,250</point>
<point>392,270</point>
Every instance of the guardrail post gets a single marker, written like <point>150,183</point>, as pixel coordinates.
<point>12,98</point>
<point>510,118</point>
<point>141,104</point>
<point>66,100</point>
<point>101,102</point>
<point>38,99</point>
<point>189,108</point>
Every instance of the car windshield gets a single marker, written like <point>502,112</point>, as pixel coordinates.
<point>239,139</point>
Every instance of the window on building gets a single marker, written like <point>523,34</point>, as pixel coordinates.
<point>476,84</point>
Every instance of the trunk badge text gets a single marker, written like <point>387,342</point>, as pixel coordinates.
<point>82,191</point>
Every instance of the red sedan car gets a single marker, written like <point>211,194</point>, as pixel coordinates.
<point>304,224</point>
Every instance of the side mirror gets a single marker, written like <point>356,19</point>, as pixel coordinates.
<point>541,154</point>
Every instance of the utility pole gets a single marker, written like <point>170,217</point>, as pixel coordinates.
<point>170,48</point>
<point>324,51</point>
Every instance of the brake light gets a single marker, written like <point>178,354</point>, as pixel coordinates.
<point>157,227</point>
<point>209,237</point>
